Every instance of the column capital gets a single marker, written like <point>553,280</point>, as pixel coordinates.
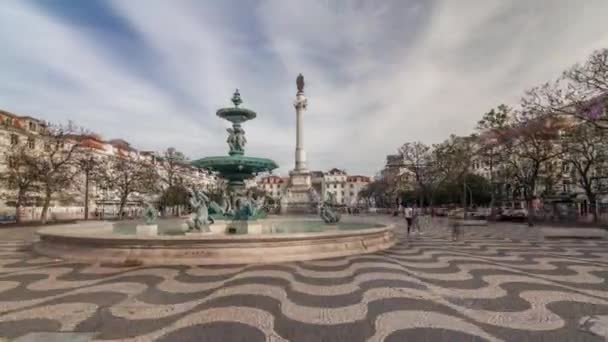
<point>300,102</point>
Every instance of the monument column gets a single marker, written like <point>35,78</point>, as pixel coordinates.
<point>299,194</point>
<point>300,105</point>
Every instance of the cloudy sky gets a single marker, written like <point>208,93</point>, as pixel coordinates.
<point>378,73</point>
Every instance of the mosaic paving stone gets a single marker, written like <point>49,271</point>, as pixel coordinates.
<point>499,283</point>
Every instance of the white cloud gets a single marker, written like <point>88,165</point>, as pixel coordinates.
<point>378,73</point>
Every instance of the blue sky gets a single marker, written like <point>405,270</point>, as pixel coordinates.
<point>378,73</point>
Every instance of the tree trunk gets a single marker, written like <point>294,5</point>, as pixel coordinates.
<point>123,201</point>
<point>593,207</point>
<point>464,198</point>
<point>18,204</point>
<point>529,205</point>
<point>45,206</point>
<point>86,195</point>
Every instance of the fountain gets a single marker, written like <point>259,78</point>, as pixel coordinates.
<point>235,231</point>
<point>241,209</point>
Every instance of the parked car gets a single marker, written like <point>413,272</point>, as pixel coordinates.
<point>456,213</point>
<point>513,213</point>
<point>481,213</point>
<point>520,213</point>
<point>441,211</point>
<point>7,218</point>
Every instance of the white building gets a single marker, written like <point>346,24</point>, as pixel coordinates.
<point>274,186</point>
<point>346,188</point>
<point>16,129</point>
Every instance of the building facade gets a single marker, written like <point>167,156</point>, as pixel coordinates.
<point>69,203</point>
<point>345,187</point>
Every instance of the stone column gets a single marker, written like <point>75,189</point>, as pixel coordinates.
<point>300,106</point>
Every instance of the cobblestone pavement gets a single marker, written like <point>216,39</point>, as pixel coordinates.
<point>500,283</point>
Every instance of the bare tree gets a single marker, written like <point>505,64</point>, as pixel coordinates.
<point>128,175</point>
<point>88,165</point>
<point>490,128</point>
<point>173,165</point>
<point>418,159</point>
<point>593,74</point>
<point>586,150</point>
<point>20,176</point>
<point>452,161</point>
<point>582,92</point>
<point>529,145</point>
<point>56,162</point>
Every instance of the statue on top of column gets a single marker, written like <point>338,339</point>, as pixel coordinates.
<point>300,83</point>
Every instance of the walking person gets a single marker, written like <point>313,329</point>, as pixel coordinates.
<point>409,217</point>
<point>416,216</point>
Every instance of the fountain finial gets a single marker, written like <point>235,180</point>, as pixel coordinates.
<point>236,98</point>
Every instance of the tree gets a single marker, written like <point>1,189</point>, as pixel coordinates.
<point>174,196</point>
<point>377,191</point>
<point>582,92</point>
<point>490,128</point>
<point>477,190</point>
<point>418,159</point>
<point>20,176</point>
<point>529,145</point>
<point>172,165</point>
<point>56,162</point>
<point>585,148</point>
<point>128,175</point>
<point>89,166</point>
<point>452,160</point>
<point>593,74</point>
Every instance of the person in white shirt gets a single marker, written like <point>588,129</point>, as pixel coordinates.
<point>416,213</point>
<point>409,216</point>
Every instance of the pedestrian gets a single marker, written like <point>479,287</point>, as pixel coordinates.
<point>416,213</point>
<point>456,230</point>
<point>409,216</point>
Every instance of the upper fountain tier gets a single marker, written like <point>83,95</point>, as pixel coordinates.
<point>235,114</point>
<point>236,167</point>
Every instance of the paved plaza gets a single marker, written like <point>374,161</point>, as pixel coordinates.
<point>500,283</point>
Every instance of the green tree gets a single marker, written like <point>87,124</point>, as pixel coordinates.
<point>173,196</point>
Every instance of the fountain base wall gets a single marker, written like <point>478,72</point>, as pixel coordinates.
<point>69,242</point>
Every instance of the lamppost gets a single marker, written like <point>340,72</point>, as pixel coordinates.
<point>470,194</point>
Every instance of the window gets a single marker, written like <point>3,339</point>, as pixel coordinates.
<point>352,185</point>
<point>335,185</point>
<point>11,162</point>
<point>342,193</point>
<point>8,121</point>
<point>14,139</point>
<point>352,194</point>
<point>31,143</point>
<point>32,126</point>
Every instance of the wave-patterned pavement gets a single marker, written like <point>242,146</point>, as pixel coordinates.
<point>499,283</point>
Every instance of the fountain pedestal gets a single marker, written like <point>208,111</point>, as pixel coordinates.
<point>146,229</point>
